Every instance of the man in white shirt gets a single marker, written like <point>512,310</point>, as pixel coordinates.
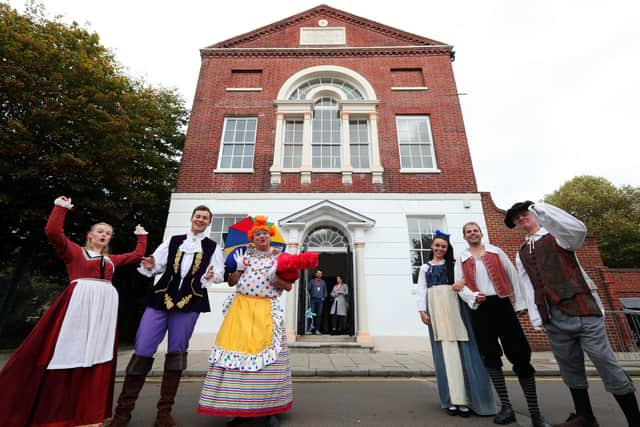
<point>562,299</point>
<point>490,282</point>
<point>186,263</point>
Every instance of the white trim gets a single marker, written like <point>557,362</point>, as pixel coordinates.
<point>425,46</point>
<point>361,83</point>
<point>232,170</point>
<point>399,88</point>
<point>332,196</point>
<point>420,170</point>
<point>244,89</point>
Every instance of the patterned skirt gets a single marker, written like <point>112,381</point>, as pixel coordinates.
<point>236,393</point>
<point>249,373</point>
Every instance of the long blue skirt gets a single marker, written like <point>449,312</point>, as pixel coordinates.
<point>476,378</point>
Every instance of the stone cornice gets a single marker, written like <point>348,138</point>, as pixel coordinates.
<point>329,52</point>
<point>327,11</point>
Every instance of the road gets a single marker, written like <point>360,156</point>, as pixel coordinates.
<point>378,402</point>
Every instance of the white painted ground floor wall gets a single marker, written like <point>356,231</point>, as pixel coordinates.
<point>377,223</point>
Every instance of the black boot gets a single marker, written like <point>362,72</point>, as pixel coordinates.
<point>505,416</point>
<point>137,370</point>
<point>629,406</point>
<point>272,421</point>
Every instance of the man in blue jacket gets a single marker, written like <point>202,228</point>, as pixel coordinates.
<point>317,289</point>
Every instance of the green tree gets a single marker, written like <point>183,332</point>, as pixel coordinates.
<point>611,214</point>
<point>73,123</point>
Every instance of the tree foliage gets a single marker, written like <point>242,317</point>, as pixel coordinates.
<point>73,123</point>
<point>612,215</point>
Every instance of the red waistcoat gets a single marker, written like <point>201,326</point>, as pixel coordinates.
<point>496,272</point>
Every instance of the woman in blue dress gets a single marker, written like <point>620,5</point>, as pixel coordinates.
<point>463,382</point>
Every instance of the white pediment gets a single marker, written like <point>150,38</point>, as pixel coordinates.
<point>326,210</point>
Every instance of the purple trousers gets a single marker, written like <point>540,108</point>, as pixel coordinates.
<point>155,323</point>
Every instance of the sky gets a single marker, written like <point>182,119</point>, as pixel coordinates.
<point>551,88</point>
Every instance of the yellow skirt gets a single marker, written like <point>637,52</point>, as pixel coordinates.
<point>247,327</point>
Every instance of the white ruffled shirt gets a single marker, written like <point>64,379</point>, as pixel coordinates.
<point>190,246</point>
<point>484,282</point>
<point>569,233</point>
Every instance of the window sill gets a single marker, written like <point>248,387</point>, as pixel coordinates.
<point>406,170</point>
<point>244,89</point>
<point>408,88</point>
<point>231,170</point>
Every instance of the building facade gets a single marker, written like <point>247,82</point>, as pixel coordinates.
<point>348,134</point>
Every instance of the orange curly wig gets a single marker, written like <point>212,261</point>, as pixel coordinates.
<point>260,223</point>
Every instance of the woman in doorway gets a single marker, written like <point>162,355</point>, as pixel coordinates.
<point>63,373</point>
<point>463,383</point>
<point>339,306</point>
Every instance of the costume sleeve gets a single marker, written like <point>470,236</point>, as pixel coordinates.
<point>130,257</point>
<point>465,294</point>
<point>421,290</point>
<point>568,231</point>
<point>520,302</point>
<point>333,291</point>
<point>529,298</point>
<point>218,263</point>
<point>160,260</point>
<point>54,231</point>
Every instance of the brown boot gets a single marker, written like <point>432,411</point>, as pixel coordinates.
<point>578,421</point>
<point>174,364</point>
<point>137,370</point>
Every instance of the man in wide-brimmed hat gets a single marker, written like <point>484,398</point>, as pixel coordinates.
<point>564,301</point>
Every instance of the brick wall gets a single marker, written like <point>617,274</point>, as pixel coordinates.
<point>213,102</point>
<point>613,284</point>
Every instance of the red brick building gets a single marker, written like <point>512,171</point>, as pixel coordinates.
<point>349,134</point>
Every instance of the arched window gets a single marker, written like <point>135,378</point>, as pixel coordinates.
<point>349,90</point>
<point>325,139</point>
<point>326,122</point>
<point>327,239</point>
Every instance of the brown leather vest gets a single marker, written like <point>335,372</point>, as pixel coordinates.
<point>557,279</point>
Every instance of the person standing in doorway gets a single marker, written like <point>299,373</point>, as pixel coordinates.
<point>339,306</point>
<point>562,299</point>
<point>317,289</point>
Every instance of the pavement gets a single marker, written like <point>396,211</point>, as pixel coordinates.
<point>312,362</point>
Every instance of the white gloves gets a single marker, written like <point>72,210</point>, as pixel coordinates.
<point>140,230</point>
<point>238,257</point>
<point>63,201</point>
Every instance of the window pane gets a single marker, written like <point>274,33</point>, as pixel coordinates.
<point>421,230</point>
<point>238,142</point>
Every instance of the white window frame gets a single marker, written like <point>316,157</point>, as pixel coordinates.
<point>323,144</point>
<point>232,219</point>
<point>368,144</point>
<point>285,143</point>
<point>429,143</point>
<point>219,167</point>
<point>434,222</point>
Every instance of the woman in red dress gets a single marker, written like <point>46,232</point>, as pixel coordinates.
<point>63,373</point>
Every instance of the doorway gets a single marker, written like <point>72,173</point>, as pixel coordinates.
<point>331,265</point>
<point>334,258</point>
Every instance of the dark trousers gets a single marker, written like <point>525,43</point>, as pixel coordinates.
<point>496,320</point>
<point>338,323</point>
<point>316,306</point>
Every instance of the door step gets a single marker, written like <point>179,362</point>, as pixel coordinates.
<point>329,344</point>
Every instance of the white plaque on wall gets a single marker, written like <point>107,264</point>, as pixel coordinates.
<point>327,35</point>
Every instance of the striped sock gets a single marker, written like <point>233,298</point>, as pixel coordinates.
<point>528,385</point>
<point>497,378</point>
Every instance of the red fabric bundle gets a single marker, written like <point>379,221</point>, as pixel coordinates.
<point>289,265</point>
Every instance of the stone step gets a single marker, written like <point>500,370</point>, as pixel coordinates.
<point>328,344</point>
